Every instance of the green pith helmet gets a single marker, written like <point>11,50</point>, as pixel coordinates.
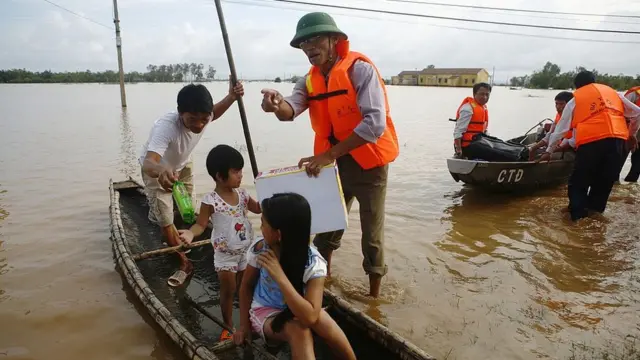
<point>313,24</point>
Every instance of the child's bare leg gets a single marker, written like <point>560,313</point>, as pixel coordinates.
<point>333,335</point>
<point>299,338</point>
<point>239,279</point>
<point>227,290</point>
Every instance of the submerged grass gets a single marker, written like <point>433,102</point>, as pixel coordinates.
<point>629,349</point>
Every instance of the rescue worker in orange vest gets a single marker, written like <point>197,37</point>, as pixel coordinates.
<point>597,116</point>
<point>472,118</point>
<point>568,142</point>
<point>633,95</point>
<point>349,112</point>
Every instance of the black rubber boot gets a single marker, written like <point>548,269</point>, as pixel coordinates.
<point>634,173</point>
<point>632,176</point>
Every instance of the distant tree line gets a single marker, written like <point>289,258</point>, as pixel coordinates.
<point>155,73</point>
<point>293,79</point>
<point>550,76</point>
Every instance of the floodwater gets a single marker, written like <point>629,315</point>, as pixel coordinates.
<point>470,275</point>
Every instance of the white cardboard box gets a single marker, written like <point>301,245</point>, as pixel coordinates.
<point>324,194</point>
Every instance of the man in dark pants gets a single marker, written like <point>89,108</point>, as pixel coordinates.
<point>350,116</point>
<point>634,172</point>
<point>597,114</point>
<point>633,95</point>
<point>595,170</point>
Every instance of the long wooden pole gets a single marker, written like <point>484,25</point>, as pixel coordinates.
<point>116,21</point>
<point>171,249</point>
<point>234,80</point>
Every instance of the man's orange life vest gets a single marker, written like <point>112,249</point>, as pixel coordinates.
<point>635,89</point>
<point>569,133</point>
<point>479,120</point>
<point>334,111</point>
<point>598,114</point>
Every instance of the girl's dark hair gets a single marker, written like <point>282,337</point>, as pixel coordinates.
<point>223,158</point>
<point>291,214</point>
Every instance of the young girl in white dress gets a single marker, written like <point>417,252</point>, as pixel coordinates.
<point>227,207</point>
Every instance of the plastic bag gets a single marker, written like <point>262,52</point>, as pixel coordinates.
<point>489,148</point>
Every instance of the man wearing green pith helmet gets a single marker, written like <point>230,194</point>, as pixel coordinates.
<point>349,111</point>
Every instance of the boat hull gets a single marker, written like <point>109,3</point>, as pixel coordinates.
<point>513,176</point>
<point>193,333</point>
<point>510,176</point>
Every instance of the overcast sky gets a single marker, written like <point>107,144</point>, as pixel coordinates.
<point>38,36</point>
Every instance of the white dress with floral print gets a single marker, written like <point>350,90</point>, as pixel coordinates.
<point>232,232</point>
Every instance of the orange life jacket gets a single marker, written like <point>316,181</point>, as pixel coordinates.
<point>598,114</point>
<point>479,120</point>
<point>334,110</point>
<point>569,133</point>
<point>635,89</point>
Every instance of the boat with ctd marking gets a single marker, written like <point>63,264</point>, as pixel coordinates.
<point>514,176</point>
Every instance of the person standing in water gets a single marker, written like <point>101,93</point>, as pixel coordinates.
<point>597,116</point>
<point>633,95</point>
<point>350,116</point>
<point>166,158</point>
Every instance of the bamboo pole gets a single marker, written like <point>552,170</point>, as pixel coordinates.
<point>234,81</point>
<point>152,253</point>
<point>222,346</point>
<point>216,320</point>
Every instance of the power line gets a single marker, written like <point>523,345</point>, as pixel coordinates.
<point>554,18</point>
<point>263,3</point>
<point>526,15</point>
<point>512,9</point>
<point>78,15</point>
<point>459,19</point>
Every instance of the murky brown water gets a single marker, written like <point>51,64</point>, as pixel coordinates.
<point>471,276</point>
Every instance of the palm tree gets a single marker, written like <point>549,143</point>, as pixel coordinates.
<point>185,72</point>
<point>193,68</point>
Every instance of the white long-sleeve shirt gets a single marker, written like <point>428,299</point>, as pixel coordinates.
<point>462,123</point>
<point>633,97</point>
<point>369,96</point>
<point>571,141</point>
<point>631,112</point>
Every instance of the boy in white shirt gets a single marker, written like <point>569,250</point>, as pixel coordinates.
<point>166,158</point>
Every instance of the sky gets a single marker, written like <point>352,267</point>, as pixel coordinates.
<point>37,36</point>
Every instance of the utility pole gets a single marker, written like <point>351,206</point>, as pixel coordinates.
<point>493,76</point>
<point>116,21</point>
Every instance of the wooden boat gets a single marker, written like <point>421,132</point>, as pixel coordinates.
<point>513,176</point>
<point>181,313</point>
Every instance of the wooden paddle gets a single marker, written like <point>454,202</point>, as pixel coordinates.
<point>221,323</point>
<point>152,253</point>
